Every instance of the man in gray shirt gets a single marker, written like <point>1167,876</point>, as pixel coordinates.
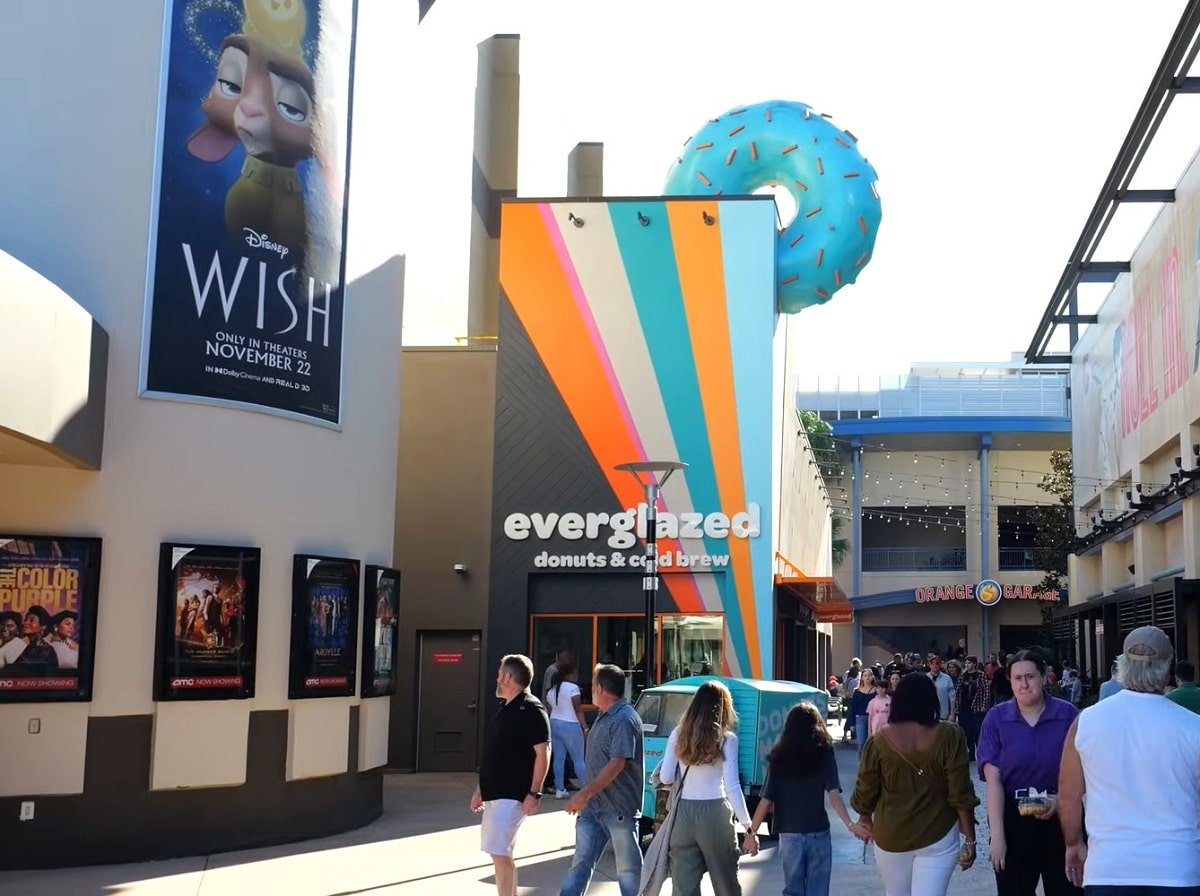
<point>610,801</point>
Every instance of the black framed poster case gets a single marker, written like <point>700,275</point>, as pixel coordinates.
<point>324,650</point>
<point>207,633</point>
<point>381,601</point>
<point>49,597</point>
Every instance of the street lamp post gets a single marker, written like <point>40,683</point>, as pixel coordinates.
<point>652,475</point>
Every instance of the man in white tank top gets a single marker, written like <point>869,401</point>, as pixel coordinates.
<point>1134,759</point>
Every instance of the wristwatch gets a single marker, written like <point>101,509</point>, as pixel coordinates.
<point>535,794</point>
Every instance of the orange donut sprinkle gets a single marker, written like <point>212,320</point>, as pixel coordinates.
<point>704,180</point>
<point>700,146</point>
<point>820,256</point>
<point>813,212</point>
<point>737,130</point>
<point>729,158</point>
<point>791,148</point>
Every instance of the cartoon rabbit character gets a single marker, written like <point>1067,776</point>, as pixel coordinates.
<point>263,96</point>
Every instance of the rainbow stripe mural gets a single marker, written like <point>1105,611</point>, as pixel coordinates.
<point>654,320</point>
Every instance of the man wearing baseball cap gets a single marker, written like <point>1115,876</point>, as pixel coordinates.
<point>1137,757</point>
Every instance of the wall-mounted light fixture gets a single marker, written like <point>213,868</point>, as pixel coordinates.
<point>460,568</point>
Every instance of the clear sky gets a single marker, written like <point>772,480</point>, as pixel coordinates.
<point>992,127</point>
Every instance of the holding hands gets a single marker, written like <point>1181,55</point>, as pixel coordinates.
<point>750,843</point>
<point>862,830</point>
<point>966,854</point>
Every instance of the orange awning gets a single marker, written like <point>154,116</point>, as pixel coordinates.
<point>821,594</point>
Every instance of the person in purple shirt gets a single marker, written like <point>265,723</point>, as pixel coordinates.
<point>1020,746</point>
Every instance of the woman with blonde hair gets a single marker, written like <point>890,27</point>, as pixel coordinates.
<point>703,836</point>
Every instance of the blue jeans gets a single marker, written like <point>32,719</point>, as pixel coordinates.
<point>807,863</point>
<point>593,829</point>
<point>860,730</point>
<point>565,737</point>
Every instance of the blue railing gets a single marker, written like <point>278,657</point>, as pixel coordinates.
<point>908,559</point>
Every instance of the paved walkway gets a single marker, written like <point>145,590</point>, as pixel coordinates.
<point>427,842</point>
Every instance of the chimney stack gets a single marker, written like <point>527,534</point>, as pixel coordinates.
<point>494,174</point>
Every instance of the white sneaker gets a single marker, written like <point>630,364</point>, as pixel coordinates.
<point>560,794</point>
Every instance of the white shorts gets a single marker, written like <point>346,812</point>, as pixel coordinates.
<point>501,821</point>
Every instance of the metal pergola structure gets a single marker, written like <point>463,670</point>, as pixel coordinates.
<point>1170,80</point>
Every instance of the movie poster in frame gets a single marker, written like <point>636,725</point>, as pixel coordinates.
<point>324,654</point>
<point>207,622</point>
<point>381,601</point>
<point>49,594</point>
<point>246,285</point>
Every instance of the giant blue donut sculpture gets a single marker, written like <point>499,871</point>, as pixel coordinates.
<point>832,236</point>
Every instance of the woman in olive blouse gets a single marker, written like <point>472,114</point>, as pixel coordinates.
<point>914,792</point>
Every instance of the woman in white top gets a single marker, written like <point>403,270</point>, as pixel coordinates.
<point>704,748</point>
<point>567,726</point>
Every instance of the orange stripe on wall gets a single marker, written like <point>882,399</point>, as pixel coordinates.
<point>532,278</point>
<point>702,278</point>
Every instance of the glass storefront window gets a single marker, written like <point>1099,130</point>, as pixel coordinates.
<point>619,640</point>
<point>554,633</point>
<point>691,645</point>
<point>687,644</point>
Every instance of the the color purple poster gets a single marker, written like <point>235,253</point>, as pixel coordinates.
<point>245,295</point>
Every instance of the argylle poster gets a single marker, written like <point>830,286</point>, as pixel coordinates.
<point>49,589</point>
<point>324,627</point>
<point>246,293</point>
<point>207,622</point>
<point>380,605</point>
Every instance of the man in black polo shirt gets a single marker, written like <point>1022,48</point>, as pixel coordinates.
<point>515,756</point>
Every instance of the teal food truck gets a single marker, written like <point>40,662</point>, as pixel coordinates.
<point>762,708</point>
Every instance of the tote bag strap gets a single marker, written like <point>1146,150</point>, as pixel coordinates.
<point>677,790</point>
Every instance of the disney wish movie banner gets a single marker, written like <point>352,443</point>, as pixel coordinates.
<point>246,289</point>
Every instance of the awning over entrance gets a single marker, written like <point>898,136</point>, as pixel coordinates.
<point>54,364</point>
<point>821,594</point>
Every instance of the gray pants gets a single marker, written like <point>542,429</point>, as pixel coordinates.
<point>703,839</point>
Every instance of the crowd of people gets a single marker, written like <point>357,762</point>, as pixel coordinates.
<point>1133,758</point>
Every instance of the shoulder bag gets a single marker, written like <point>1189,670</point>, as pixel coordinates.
<point>656,865</point>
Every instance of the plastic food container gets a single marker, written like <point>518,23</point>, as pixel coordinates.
<point>1035,802</point>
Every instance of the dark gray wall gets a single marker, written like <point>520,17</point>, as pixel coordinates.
<point>543,464</point>
<point>443,511</point>
<point>267,809</point>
